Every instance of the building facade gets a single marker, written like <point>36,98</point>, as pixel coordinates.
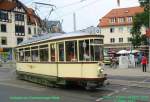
<point>116,27</point>
<point>17,23</point>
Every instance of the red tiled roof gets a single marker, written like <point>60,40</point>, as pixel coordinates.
<point>7,5</point>
<point>32,17</point>
<point>117,13</point>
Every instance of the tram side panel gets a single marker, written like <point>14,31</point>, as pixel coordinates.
<point>70,70</point>
<point>78,70</point>
<point>38,68</point>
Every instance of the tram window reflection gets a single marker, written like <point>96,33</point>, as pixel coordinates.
<point>21,55</point>
<point>96,50</point>
<point>52,46</point>
<point>35,56</point>
<point>61,51</point>
<point>84,54</point>
<point>44,54</point>
<point>27,56</point>
<point>71,50</point>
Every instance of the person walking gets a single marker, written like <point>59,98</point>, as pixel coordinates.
<point>144,63</point>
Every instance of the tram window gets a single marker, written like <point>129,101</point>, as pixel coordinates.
<point>96,52</point>
<point>71,50</point>
<point>52,46</point>
<point>44,54</point>
<point>61,51</point>
<point>21,55</point>
<point>27,56</point>
<point>34,55</point>
<point>84,54</point>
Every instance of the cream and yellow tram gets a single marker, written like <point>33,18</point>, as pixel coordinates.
<point>60,59</point>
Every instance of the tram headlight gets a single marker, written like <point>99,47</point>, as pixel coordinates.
<point>100,70</point>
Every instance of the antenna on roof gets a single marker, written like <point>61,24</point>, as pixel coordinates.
<point>51,10</point>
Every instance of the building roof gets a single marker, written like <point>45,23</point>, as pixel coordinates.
<point>118,13</point>
<point>10,5</point>
<point>7,5</point>
<point>55,36</point>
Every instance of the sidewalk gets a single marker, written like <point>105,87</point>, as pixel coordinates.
<point>132,72</point>
<point>128,76</point>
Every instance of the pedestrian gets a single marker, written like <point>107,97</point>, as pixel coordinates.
<point>144,63</point>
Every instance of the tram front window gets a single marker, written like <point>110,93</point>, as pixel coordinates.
<point>96,49</point>
<point>71,50</point>
<point>84,54</point>
<point>44,53</point>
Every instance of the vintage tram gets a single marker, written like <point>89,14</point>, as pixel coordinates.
<point>62,59</point>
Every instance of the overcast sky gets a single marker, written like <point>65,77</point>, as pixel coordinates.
<point>88,12</point>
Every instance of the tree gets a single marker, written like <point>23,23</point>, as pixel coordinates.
<point>140,20</point>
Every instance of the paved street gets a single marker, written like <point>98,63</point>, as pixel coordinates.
<point>13,90</point>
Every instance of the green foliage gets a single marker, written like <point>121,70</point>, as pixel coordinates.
<point>140,20</point>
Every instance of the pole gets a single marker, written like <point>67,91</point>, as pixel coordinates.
<point>74,21</point>
<point>149,40</point>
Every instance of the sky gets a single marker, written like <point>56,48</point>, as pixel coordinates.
<point>88,12</point>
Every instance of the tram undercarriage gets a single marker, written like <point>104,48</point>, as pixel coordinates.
<point>51,81</point>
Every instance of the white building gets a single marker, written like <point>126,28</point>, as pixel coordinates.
<point>17,22</point>
<point>116,26</point>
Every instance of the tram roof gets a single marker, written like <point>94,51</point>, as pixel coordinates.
<point>54,36</point>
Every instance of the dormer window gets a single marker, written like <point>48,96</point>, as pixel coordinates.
<point>121,19</point>
<point>113,20</point>
<point>129,19</point>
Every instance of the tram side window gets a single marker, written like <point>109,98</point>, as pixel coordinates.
<point>61,51</point>
<point>71,50</point>
<point>21,55</point>
<point>27,56</point>
<point>53,55</point>
<point>34,54</point>
<point>84,54</point>
<point>44,53</point>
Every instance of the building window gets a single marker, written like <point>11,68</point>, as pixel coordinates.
<point>129,29</point>
<point>112,40</point>
<point>113,20</point>
<point>120,39</point>
<point>4,41</point>
<point>112,30</point>
<point>19,29</point>
<point>129,19</point>
<point>29,30</point>
<point>19,40</point>
<point>3,28</point>
<point>129,39</point>
<point>19,17</point>
<point>3,16</point>
<point>34,30</point>
<point>121,29</point>
<point>121,20</point>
